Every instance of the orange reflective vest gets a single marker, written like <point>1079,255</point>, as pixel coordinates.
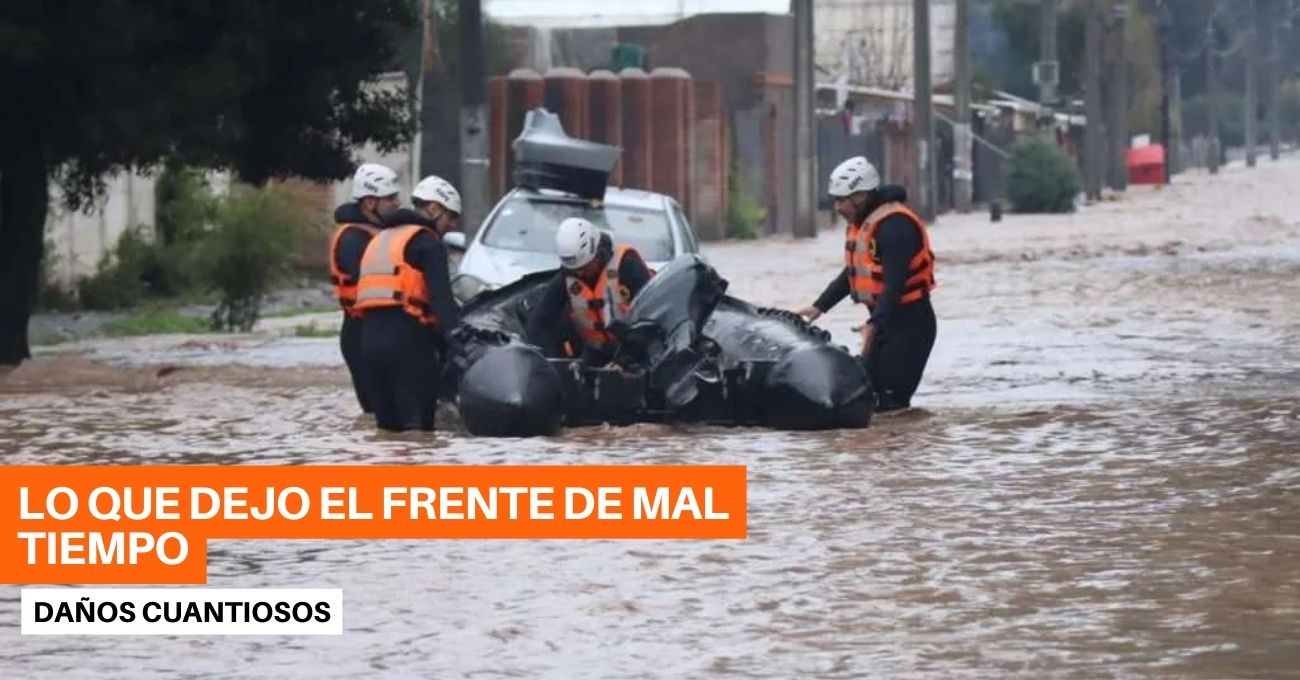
<point>588,304</point>
<point>388,280</point>
<point>345,286</point>
<point>865,268</point>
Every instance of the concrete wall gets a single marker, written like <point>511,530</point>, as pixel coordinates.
<point>751,57</point>
<point>77,241</point>
<point>728,48</point>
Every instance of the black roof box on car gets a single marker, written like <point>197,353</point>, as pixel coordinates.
<point>547,158</point>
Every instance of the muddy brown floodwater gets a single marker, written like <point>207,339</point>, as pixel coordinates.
<point>1102,479</point>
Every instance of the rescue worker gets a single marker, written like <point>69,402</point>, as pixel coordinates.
<point>374,196</point>
<point>594,288</point>
<point>404,295</point>
<point>889,267</point>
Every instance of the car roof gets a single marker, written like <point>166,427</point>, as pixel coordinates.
<point>614,196</point>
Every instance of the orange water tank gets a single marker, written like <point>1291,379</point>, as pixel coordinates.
<point>638,134</point>
<point>670,109</point>
<point>604,114</point>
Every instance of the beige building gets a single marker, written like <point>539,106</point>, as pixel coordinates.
<point>869,42</point>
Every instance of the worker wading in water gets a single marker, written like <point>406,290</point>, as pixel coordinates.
<point>374,197</point>
<point>889,267</point>
<point>404,296</point>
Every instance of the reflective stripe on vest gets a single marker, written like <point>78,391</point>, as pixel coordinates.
<point>388,280</point>
<point>345,286</point>
<point>866,272</point>
<point>587,304</point>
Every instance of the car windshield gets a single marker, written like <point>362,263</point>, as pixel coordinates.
<point>530,224</point>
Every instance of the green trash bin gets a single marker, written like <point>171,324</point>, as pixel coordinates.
<point>627,55</point>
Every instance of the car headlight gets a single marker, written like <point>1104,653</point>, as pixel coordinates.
<point>465,286</point>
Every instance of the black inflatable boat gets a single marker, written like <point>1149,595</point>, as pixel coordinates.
<point>706,357</point>
<point>711,359</point>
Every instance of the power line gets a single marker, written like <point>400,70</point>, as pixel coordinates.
<point>990,145</point>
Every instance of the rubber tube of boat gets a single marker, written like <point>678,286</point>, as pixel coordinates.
<point>511,391</point>
<point>818,387</point>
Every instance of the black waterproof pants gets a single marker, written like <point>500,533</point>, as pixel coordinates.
<point>899,353</point>
<point>401,364</point>
<point>350,346</point>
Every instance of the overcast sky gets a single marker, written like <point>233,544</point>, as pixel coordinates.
<point>535,8</point>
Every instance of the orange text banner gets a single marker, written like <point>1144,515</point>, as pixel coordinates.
<point>150,524</point>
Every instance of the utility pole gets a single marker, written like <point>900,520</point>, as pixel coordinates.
<point>426,104</point>
<point>1094,158</point>
<point>1252,93</point>
<point>1274,79</point>
<point>805,161</point>
<point>475,174</point>
<point>1212,92</point>
<point>1175,155</point>
<point>962,166</point>
<point>1049,66</point>
<point>1118,125</point>
<point>924,128</point>
<point>1164,27</point>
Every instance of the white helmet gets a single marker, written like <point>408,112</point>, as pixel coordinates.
<point>854,175</point>
<point>373,179</point>
<point>576,241</point>
<point>439,190</point>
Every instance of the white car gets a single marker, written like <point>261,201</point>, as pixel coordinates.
<point>518,236</point>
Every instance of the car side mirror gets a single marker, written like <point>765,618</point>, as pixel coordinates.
<point>454,240</point>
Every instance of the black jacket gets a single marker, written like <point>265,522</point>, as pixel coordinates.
<point>352,245</point>
<point>897,241</point>
<point>427,253</point>
<point>550,325</point>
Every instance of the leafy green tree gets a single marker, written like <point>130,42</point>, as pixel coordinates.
<point>266,88</point>
<point>1018,38</point>
<point>1013,39</point>
<point>1041,178</point>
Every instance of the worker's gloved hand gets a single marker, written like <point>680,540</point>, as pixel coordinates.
<point>627,364</point>
<point>810,313</point>
<point>615,366</point>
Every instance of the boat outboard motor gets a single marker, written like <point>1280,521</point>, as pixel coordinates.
<point>665,323</point>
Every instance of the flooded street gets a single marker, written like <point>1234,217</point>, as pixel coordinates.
<point>1101,479</point>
